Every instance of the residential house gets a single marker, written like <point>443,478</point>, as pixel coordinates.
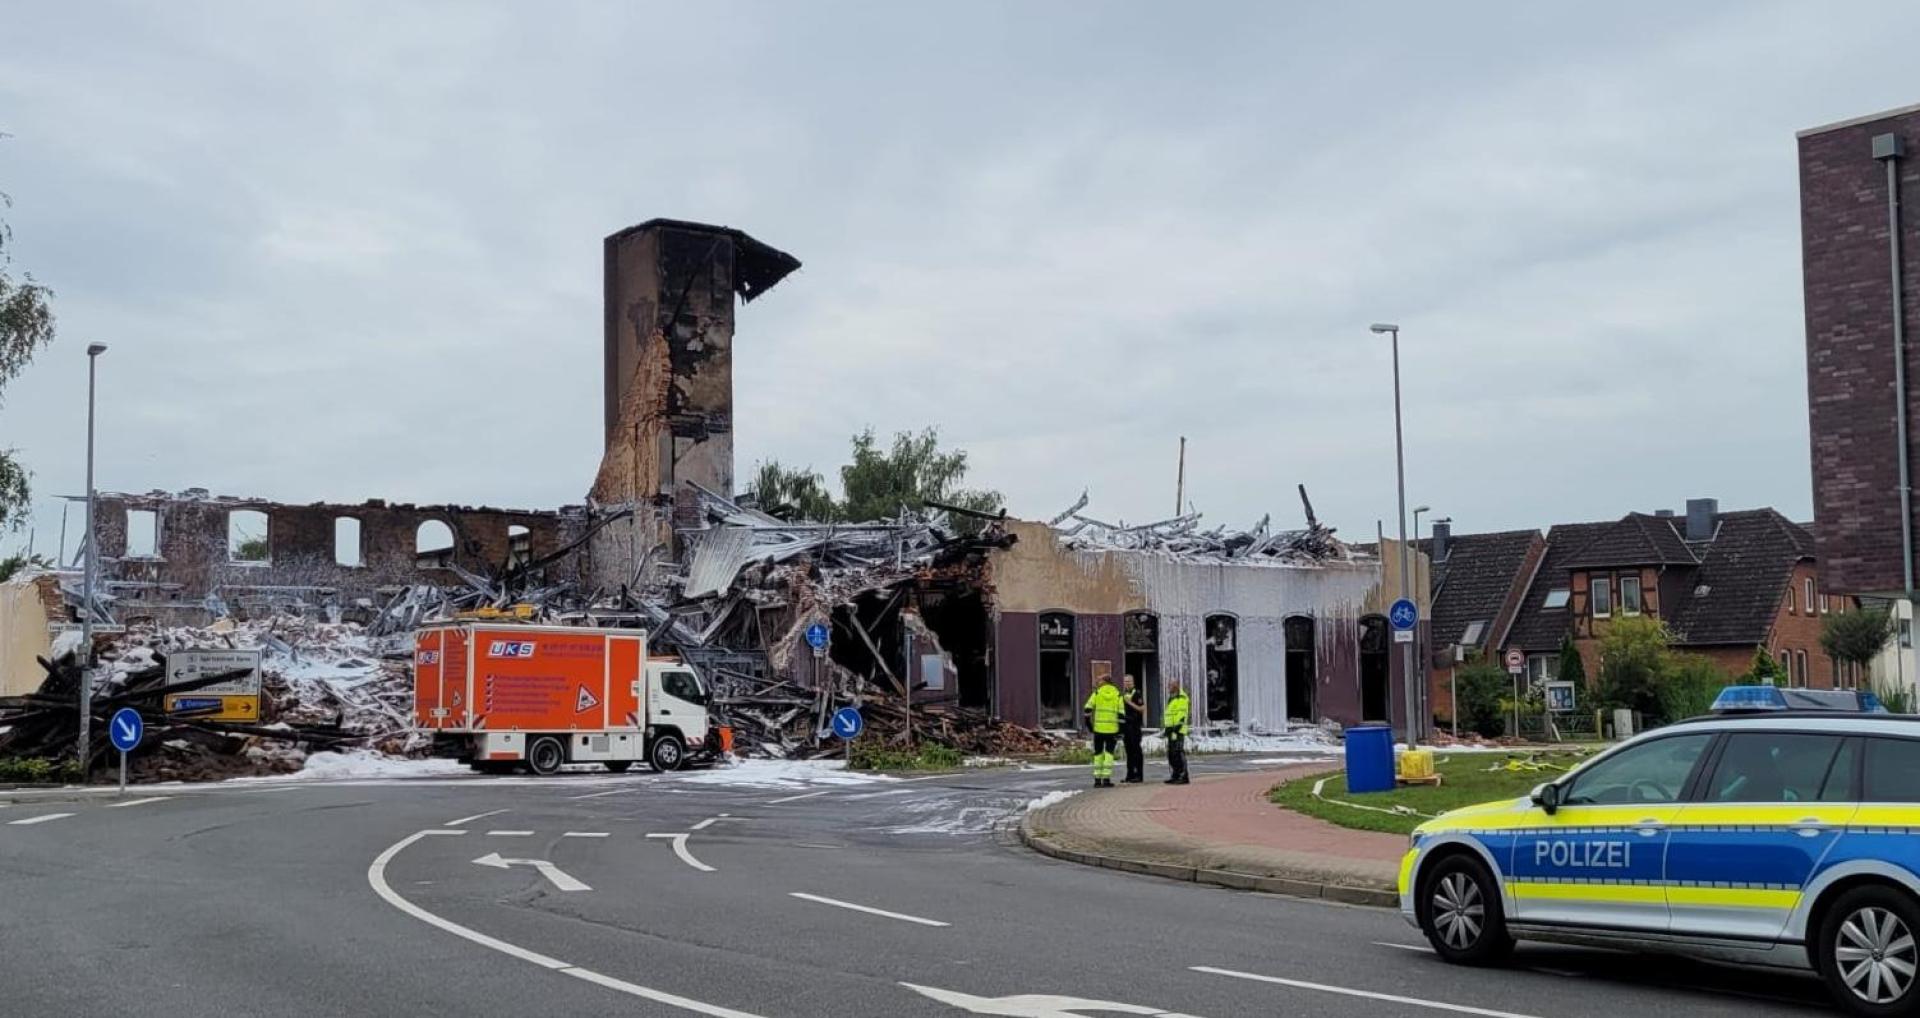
<point>1479,584</point>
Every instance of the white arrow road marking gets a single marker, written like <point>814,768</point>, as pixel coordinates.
<point>477,816</point>
<point>377,879</point>
<point>903,917</point>
<point>139,802</point>
<point>680,849</point>
<point>1346,991</point>
<point>553,874</point>
<point>1036,1005</point>
<point>41,819</point>
<point>708,822</point>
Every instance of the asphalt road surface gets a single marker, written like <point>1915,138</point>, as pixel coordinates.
<point>645,894</point>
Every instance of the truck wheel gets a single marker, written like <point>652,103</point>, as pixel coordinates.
<point>545,756</point>
<point>667,753</point>
<point>619,766</point>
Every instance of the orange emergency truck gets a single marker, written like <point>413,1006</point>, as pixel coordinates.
<point>510,696</point>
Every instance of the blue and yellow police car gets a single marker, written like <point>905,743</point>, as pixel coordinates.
<point>1780,830</point>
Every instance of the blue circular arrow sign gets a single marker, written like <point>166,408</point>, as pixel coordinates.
<point>847,722</point>
<point>125,729</point>
<point>1403,614</point>
<point>817,635</point>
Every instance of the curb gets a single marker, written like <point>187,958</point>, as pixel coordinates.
<point>1346,894</point>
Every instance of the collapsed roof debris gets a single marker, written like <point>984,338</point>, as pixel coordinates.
<point>1181,536</point>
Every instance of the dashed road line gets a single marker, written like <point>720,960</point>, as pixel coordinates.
<point>509,834</point>
<point>708,822</point>
<point>797,798</point>
<point>596,795</point>
<point>837,903</point>
<point>463,821</point>
<point>377,879</point>
<point>1416,948</point>
<point>586,834</point>
<point>1348,991</point>
<point>41,819</point>
<point>680,849</point>
<point>138,802</point>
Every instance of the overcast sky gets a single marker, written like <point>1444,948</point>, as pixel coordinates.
<point>355,252</point>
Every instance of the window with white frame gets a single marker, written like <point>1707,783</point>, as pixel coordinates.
<point>1789,598</point>
<point>1629,595</point>
<point>1542,668</point>
<point>1800,660</point>
<point>1806,587</point>
<point>1600,596</point>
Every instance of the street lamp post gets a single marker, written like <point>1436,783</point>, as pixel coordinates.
<point>1400,473</point>
<point>94,350</point>
<point>1424,582</point>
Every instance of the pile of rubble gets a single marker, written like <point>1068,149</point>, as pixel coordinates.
<point>1183,537</point>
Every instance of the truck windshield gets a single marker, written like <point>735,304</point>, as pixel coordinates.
<point>682,685</point>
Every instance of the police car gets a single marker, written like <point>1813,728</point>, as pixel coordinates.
<point>1770,832</point>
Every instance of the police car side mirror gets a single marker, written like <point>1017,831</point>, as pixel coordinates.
<point>1547,797</point>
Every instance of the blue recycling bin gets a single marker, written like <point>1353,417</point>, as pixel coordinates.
<point>1370,758</point>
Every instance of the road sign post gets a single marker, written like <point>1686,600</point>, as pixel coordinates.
<point>125,730</point>
<point>847,724</point>
<point>1516,664</point>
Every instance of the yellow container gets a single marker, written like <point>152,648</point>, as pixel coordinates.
<point>1416,764</point>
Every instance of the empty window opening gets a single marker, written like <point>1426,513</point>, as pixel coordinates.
<point>346,542</point>
<point>1223,668</point>
<point>1376,664</point>
<point>247,535</point>
<point>433,545</point>
<point>143,533</point>
<point>1141,638</point>
<point>1057,709</point>
<point>519,545</point>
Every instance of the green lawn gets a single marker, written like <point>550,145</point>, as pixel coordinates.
<point>1468,778</point>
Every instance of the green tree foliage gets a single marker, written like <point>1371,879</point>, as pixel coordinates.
<point>1482,688</point>
<point>1633,660</point>
<point>1856,637</point>
<point>1572,667</point>
<point>1689,686</point>
<point>1764,670</point>
<point>15,564</point>
<point>877,484</point>
<point>26,325</point>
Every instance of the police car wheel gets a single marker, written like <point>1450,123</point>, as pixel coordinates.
<point>1460,912</point>
<point>546,755</point>
<point>1870,951</point>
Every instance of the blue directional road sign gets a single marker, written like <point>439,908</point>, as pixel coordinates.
<point>125,729</point>
<point>1403,614</point>
<point>847,722</point>
<point>817,635</point>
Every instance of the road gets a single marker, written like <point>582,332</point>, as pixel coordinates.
<point>673,895</point>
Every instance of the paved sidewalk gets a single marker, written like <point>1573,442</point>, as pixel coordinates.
<point>1220,830</point>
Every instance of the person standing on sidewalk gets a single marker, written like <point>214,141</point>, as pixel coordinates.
<point>1103,709</point>
<point>1173,725</point>
<point>1132,719</point>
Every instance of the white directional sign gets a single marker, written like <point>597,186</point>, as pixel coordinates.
<point>558,879</point>
<point>1037,1005</point>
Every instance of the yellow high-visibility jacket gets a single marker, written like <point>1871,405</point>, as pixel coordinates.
<point>1106,706</point>
<point>1173,721</point>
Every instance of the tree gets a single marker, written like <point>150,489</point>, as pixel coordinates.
<point>1764,671</point>
<point>20,562</point>
<point>26,325</point>
<point>1856,637</point>
<point>877,484</point>
<point>1633,658</point>
<point>1689,686</point>
<point>1481,686</point>
<point>1572,668</point>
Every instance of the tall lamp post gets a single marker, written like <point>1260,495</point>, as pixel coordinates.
<point>1400,473</point>
<point>1424,580</point>
<point>94,350</point>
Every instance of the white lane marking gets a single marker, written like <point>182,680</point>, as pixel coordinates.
<point>272,788</point>
<point>585,834</point>
<point>1416,948</point>
<point>708,822</point>
<point>596,795</point>
<point>680,849</point>
<point>797,798</point>
<point>377,879</point>
<point>555,876</point>
<point>509,834</point>
<point>1036,1005</point>
<point>41,819</point>
<point>463,821</point>
<point>1347,991</point>
<point>138,802</point>
<point>879,795</point>
<point>867,909</point>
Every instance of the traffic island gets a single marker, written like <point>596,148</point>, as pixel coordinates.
<point>1222,831</point>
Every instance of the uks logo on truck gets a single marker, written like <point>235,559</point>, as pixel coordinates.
<point>511,648</point>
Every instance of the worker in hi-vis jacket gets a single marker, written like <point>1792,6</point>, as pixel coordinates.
<point>1103,716</point>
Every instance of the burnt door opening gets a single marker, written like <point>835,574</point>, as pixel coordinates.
<point>1142,641</point>
<point>1056,671</point>
<point>1375,670</point>
<point>1301,678</point>
<point>959,618</point>
<point>1223,668</point>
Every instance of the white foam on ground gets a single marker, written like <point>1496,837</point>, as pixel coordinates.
<point>364,763</point>
<point>781,774</point>
<point>1053,798</point>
